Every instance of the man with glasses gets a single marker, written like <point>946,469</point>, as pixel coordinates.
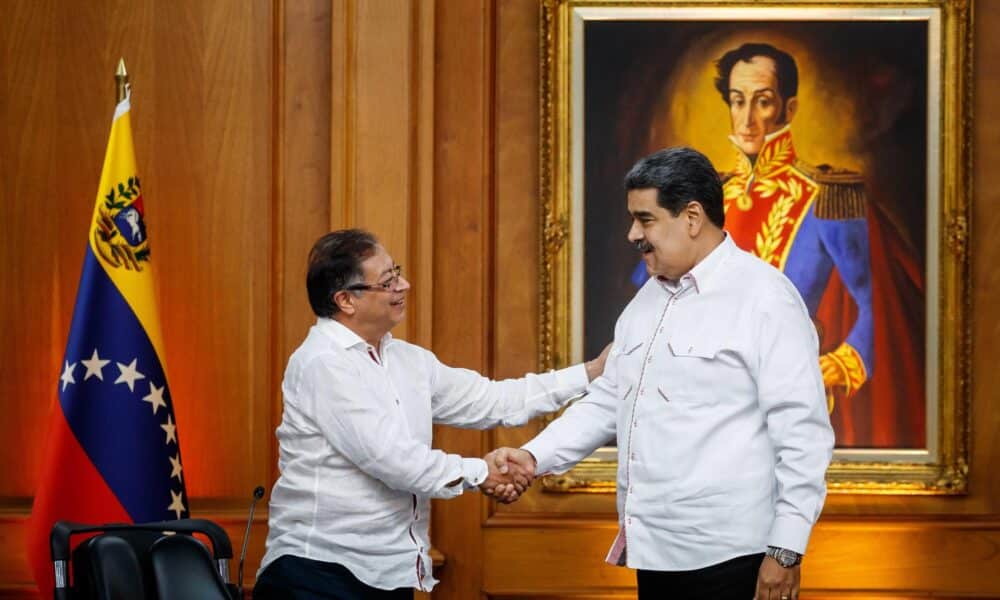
<point>349,512</point>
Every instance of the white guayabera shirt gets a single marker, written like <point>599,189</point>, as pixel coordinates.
<point>714,391</point>
<point>357,467</point>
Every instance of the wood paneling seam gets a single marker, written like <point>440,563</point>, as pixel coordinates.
<point>351,116</point>
<point>413,136</point>
<point>276,325</point>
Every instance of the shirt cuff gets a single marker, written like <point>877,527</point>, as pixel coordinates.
<point>574,377</point>
<point>790,532</point>
<point>474,472</point>
<point>543,452</point>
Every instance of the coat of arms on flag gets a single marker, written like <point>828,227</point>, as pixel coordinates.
<point>120,235</point>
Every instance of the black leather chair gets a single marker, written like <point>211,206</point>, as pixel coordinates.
<point>160,560</point>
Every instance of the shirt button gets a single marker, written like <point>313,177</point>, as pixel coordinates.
<point>628,520</point>
<point>642,391</point>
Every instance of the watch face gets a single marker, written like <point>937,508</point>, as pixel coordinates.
<point>787,558</point>
<point>784,557</point>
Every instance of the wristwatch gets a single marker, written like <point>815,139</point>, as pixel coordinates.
<point>786,558</point>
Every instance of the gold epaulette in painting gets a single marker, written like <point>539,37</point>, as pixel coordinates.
<point>841,193</point>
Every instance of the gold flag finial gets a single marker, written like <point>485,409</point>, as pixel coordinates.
<point>121,80</point>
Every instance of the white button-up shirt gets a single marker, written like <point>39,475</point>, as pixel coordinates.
<point>357,468</point>
<point>714,391</point>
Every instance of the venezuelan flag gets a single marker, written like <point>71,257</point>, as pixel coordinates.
<point>112,453</point>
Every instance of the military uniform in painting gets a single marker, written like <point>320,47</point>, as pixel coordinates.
<point>806,221</point>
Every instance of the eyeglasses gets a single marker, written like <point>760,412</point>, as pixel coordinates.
<point>388,285</point>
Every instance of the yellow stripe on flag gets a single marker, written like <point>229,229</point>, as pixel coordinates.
<point>117,231</point>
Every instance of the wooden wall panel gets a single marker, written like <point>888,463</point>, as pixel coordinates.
<point>463,257</point>
<point>303,75</point>
<point>202,185</point>
<point>383,119</point>
<point>985,260</point>
<point>382,132</point>
<point>566,556</point>
<point>208,187</point>
<point>50,161</point>
<point>202,116</point>
<point>516,321</point>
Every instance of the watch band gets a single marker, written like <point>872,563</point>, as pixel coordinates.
<point>784,557</point>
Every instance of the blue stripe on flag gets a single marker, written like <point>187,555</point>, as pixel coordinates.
<point>116,427</point>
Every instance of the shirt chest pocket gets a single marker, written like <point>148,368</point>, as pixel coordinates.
<point>694,368</point>
<point>628,365</point>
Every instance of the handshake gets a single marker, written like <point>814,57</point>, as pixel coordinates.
<point>511,471</point>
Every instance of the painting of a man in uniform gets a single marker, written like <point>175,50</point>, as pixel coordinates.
<point>834,230</point>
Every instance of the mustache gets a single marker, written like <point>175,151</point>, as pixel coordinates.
<point>642,246</point>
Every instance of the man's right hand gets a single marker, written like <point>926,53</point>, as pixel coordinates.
<point>514,471</point>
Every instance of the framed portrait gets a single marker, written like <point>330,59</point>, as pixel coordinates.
<point>848,169</point>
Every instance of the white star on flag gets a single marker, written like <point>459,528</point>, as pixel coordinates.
<point>67,376</point>
<point>129,374</point>
<point>176,505</point>
<point>175,462</point>
<point>155,397</point>
<point>171,430</point>
<point>95,366</point>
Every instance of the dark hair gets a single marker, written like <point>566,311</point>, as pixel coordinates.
<point>680,175</point>
<point>787,72</point>
<point>334,263</point>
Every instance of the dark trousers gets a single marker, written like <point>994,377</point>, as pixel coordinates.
<point>734,579</point>
<point>295,578</point>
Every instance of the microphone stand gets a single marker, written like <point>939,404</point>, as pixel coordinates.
<point>258,493</point>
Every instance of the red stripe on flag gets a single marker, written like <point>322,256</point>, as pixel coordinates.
<point>69,489</point>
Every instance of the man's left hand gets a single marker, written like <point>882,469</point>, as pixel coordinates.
<point>595,368</point>
<point>775,582</point>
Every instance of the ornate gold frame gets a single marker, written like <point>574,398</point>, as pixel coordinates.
<point>852,472</point>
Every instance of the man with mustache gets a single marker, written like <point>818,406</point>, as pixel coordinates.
<point>808,221</point>
<point>349,512</point>
<point>714,394</point>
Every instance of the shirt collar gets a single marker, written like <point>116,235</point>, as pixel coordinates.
<point>343,336</point>
<point>702,274</point>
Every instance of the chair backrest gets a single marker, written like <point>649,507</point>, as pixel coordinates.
<point>182,569</point>
<point>106,566</point>
<point>159,560</point>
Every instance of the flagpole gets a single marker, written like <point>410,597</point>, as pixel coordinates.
<point>121,80</point>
